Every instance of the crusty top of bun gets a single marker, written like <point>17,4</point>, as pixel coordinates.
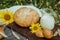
<point>26,16</point>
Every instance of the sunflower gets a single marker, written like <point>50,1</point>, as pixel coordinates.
<point>6,16</point>
<point>35,27</point>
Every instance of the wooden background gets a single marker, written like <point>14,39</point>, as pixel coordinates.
<point>26,32</point>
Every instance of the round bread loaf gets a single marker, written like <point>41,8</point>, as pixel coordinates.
<point>26,16</point>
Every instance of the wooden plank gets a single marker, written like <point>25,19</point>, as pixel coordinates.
<point>26,32</point>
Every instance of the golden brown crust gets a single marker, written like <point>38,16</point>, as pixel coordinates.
<point>1,30</point>
<point>39,33</point>
<point>47,33</point>
<point>25,16</point>
<point>1,37</point>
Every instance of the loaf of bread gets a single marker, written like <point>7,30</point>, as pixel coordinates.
<point>26,16</point>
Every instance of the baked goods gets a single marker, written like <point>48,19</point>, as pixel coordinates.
<point>1,30</point>
<point>1,37</point>
<point>47,21</point>
<point>26,16</point>
<point>39,33</point>
<point>44,33</point>
<point>47,33</point>
<point>2,33</point>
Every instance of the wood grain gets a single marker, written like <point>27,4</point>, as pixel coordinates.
<point>26,32</point>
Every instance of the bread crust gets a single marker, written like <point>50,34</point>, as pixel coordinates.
<point>26,16</point>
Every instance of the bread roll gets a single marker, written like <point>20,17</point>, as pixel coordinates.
<point>1,30</point>
<point>26,16</point>
<point>39,33</point>
<point>47,33</point>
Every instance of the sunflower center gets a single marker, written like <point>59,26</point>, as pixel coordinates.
<point>35,28</point>
<point>7,17</point>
